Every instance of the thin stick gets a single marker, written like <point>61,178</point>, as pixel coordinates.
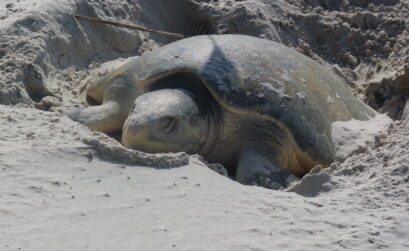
<point>133,27</point>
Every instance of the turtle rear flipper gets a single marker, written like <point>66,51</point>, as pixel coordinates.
<point>257,168</point>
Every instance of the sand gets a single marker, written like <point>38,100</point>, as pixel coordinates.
<point>66,188</point>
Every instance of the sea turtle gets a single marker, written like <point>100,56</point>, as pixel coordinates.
<point>258,107</point>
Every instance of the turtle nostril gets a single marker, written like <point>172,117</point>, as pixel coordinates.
<point>168,125</point>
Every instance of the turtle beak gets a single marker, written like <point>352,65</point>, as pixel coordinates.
<point>134,131</point>
<point>149,132</point>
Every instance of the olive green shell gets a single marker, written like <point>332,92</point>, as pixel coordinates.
<point>261,78</point>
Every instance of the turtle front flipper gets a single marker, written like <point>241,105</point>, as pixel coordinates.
<point>110,116</point>
<point>264,168</point>
<point>104,118</point>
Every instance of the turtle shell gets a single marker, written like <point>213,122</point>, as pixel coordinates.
<point>261,78</point>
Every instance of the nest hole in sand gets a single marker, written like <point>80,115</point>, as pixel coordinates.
<point>390,94</point>
<point>181,16</point>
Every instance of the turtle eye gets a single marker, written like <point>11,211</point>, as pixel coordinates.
<point>169,125</point>
<point>194,121</point>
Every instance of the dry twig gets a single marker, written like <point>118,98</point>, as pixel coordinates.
<point>133,27</point>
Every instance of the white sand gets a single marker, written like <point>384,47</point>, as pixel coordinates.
<point>58,193</point>
<point>354,136</point>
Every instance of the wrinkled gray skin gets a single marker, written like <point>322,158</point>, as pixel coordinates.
<point>261,109</point>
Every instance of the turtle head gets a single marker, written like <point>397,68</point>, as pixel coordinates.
<point>167,120</point>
